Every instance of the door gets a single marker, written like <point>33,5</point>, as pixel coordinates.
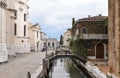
<point>100,51</point>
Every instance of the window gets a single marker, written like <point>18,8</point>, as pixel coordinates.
<point>37,34</point>
<point>45,44</point>
<point>48,44</point>
<point>24,17</point>
<point>53,44</point>
<point>16,15</point>
<point>88,46</point>
<point>24,30</point>
<point>84,30</point>
<point>15,29</point>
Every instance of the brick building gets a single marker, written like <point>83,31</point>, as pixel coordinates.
<point>91,34</point>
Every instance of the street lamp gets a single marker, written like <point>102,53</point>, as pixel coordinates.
<point>46,48</point>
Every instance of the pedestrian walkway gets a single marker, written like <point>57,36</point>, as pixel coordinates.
<point>104,68</point>
<point>23,63</point>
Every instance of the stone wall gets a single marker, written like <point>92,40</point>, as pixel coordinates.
<point>114,36</point>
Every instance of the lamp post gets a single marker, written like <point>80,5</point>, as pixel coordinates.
<point>46,48</point>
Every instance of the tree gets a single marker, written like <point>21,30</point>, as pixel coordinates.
<point>61,40</point>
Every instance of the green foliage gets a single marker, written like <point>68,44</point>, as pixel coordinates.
<point>109,76</point>
<point>78,36</point>
<point>73,22</point>
<point>106,22</point>
<point>61,40</point>
<point>73,46</point>
<point>78,48</point>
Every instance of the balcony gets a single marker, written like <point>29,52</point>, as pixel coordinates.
<point>94,36</point>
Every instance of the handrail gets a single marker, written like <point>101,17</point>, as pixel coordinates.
<point>72,56</point>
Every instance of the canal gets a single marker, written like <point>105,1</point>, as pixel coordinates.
<point>65,68</point>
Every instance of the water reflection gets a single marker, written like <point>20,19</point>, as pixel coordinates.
<point>64,68</point>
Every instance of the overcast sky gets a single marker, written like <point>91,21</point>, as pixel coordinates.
<point>55,16</point>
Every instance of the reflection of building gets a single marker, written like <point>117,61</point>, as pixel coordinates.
<point>91,34</point>
<point>35,37</point>
<point>114,36</point>
<point>21,40</point>
<point>67,37</point>
<point>3,46</point>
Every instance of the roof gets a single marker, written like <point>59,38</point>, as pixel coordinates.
<point>94,18</point>
<point>37,25</point>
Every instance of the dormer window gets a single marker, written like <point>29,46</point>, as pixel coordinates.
<point>84,30</point>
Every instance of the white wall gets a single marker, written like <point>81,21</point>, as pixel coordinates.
<point>3,47</point>
<point>22,8</point>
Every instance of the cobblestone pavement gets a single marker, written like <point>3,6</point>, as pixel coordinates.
<point>19,66</point>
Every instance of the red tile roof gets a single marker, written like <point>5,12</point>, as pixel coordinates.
<point>94,18</point>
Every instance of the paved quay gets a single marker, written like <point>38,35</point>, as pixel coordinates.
<point>19,66</point>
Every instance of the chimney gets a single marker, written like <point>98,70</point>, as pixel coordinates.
<point>100,15</point>
<point>89,16</point>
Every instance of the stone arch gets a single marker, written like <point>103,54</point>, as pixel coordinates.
<point>84,30</point>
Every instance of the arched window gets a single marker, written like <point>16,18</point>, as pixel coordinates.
<point>48,44</point>
<point>84,30</point>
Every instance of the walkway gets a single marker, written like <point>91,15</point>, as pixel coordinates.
<point>19,66</point>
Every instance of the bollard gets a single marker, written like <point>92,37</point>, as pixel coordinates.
<point>28,75</point>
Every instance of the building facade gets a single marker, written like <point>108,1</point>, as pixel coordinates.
<point>10,20</point>
<point>91,34</point>
<point>21,39</point>
<point>35,37</point>
<point>114,36</point>
<point>67,37</point>
<point>50,43</point>
<point>3,46</point>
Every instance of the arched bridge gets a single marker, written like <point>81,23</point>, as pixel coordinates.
<point>72,56</point>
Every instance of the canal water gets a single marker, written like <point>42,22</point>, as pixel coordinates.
<point>65,68</point>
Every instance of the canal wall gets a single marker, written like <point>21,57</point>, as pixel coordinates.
<point>40,70</point>
<point>82,67</point>
<point>97,73</point>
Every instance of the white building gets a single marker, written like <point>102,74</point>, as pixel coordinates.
<point>50,43</point>
<point>10,21</point>
<point>43,35</point>
<point>66,38</point>
<point>35,37</point>
<point>3,46</point>
<point>21,40</point>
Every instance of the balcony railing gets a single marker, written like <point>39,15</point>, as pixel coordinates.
<point>94,36</point>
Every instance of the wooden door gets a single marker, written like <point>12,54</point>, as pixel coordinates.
<point>100,51</point>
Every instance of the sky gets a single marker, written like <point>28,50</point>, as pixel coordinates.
<point>55,16</point>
